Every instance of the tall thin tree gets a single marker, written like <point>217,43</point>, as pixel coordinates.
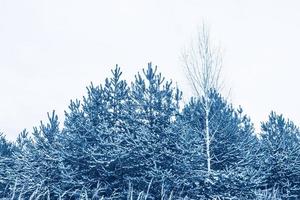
<point>203,64</point>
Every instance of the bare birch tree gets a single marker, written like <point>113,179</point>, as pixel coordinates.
<point>203,63</point>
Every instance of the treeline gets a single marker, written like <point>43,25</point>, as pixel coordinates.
<point>135,141</point>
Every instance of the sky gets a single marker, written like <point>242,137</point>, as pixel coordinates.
<point>51,50</point>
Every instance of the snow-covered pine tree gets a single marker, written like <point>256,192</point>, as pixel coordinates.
<point>229,127</point>
<point>98,138</point>
<point>108,102</point>
<point>155,103</point>
<point>6,147</point>
<point>280,158</point>
<point>232,146</point>
<point>6,165</point>
<point>40,167</point>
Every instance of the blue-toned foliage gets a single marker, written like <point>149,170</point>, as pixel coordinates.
<point>233,147</point>
<point>155,101</point>
<point>126,141</point>
<point>281,156</point>
<point>6,164</point>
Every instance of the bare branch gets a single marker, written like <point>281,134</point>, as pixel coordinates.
<point>203,63</point>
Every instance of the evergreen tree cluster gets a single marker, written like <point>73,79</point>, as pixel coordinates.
<point>137,141</point>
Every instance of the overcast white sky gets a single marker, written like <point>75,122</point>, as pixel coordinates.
<point>51,50</point>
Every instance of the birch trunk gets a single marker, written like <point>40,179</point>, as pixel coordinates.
<point>207,141</point>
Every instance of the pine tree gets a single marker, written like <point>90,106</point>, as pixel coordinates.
<point>232,147</point>
<point>6,165</point>
<point>97,137</point>
<point>155,101</point>
<point>281,156</point>
<point>40,161</point>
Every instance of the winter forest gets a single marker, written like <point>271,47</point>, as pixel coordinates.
<point>134,141</point>
<point>139,140</point>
